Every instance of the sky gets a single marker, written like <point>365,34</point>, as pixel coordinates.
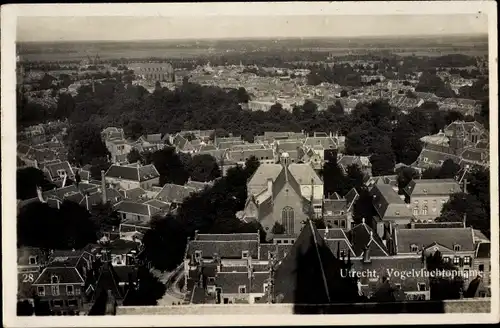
<point>115,28</point>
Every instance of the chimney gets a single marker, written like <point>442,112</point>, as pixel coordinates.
<point>64,180</point>
<point>39,194</point>
<point>35,163</point>
<point>103,188</point>
<point>366,255</point>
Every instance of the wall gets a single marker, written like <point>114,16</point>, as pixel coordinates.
<point>458,306</point>
<point>125,184</point>
<point>434,205</point>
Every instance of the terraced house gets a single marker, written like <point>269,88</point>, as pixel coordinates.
<point>132,176</point>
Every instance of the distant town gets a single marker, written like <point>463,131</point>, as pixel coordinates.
<point>251,177</point>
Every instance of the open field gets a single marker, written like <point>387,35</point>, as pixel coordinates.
<point>431,46</point>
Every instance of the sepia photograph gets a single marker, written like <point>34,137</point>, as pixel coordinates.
<point>241,160</point>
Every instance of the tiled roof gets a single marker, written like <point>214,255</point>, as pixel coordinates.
<point>198,185</point>
<point>112,195</point>
<point>333,207</point>
<point>175,193</point>
<point>483,251</point>
<point>348,160</point>
<point>363,237</point>
<point>66,275</point>
<point>475,155</point>
<point>228,237</point>
<point>351,197</point>
<point>136,208</point>
<point>135,194</point>
<point>435,157</point>
<point>24,253</point>
<point>228,144</point>
<point>325,142</point>
<point>388,204</point>
<point>304,174</point>
<point>405,238</point>
<point>108,281</point>
<point>158,204</point>
<point>243,155</point>
<point>310,274</point>
<point>133,172</point>
<point>258,181</point>
<point>247,147</point>
<point>229,282</point>
<point>442,187</point>
<point>224,249</point>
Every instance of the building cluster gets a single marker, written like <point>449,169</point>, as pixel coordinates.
<point>466,143</point>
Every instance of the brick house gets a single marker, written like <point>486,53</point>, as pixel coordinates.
<point>427,196</point>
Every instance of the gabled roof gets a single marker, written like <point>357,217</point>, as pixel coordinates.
<point>175,193</point>
<point>133,172</point>
<point>388,204</point>
<point>243,155</point>
<point>227,249</point>
<point>66,275</point>
<point>310,273</point>
<point>136,208</point>
<point>228,237</point>
<point>363,237</point>
<point>108,281</point>
<point>439,187</point>
<point>449,237</point>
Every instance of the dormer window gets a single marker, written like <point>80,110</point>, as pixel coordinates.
<point>456,248</point>
<point>211,280</point>
<point>414,248</point>
<point>33,260</point>
<point>244,254</point>
<point>54,279</point>
<point>424,191</point>
<point>61,173</point>
<point>197,255</point>
<point>397,213</point>
<point>242,289</point>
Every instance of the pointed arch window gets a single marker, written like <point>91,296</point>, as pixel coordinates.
<point>287,219</point>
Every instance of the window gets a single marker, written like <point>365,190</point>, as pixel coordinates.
<point>242,289</point>
<point>342,253</point>
<point>424,210</point>
<point>61,173</point>
<point>54,279</point>
<point>211,280</point>
<point>197,255</point>
<point>58,303</point>
<point>481,267</point>
<point>288,219</point>
<point>425,202</point>
<point>414,248</point>
<point>55,290</point>
<point>456,260</point>
<point>244,254</point>
<point>336,223</point>
<point>72,303</point>
<point>398,286</point>
<point>456,248</point>
<point>415,211</point>
<point>466,274</point>
<point>342,224</point>
<point>446,259</point>
<point>70,290</point>
<point>482,294</point>
<point>33,260</point>
<point>397,213</point>
<point>77,291</point>
<point>421,287</point>
<point>40,290</point>
<point>278,241</point>
<point>467,260</point>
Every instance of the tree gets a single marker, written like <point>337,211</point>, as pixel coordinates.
<point>363,207</point>
<point>104,216</point>
<point>405,175</point>
<point>170,167</point>
<point>97,165</point>
<point>343,93</point>
<point>278,229</point>
<point>85,144</point>
<point>336,109</point>
<point>334,179</point>
<point>134,156</point>
<point>204,168</point>
<point>431,173</point>
<point>149,290</point>
<point>242,95</point>
<point>165,233</point>
<point>443,288</point>
<point>251,165</point>
<point>354,178</point>
<point>28,179</point>
<point>24,308</point>
<point>462,206</point>
<point>448,170</point>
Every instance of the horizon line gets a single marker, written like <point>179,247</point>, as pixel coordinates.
<point>478,34</point>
